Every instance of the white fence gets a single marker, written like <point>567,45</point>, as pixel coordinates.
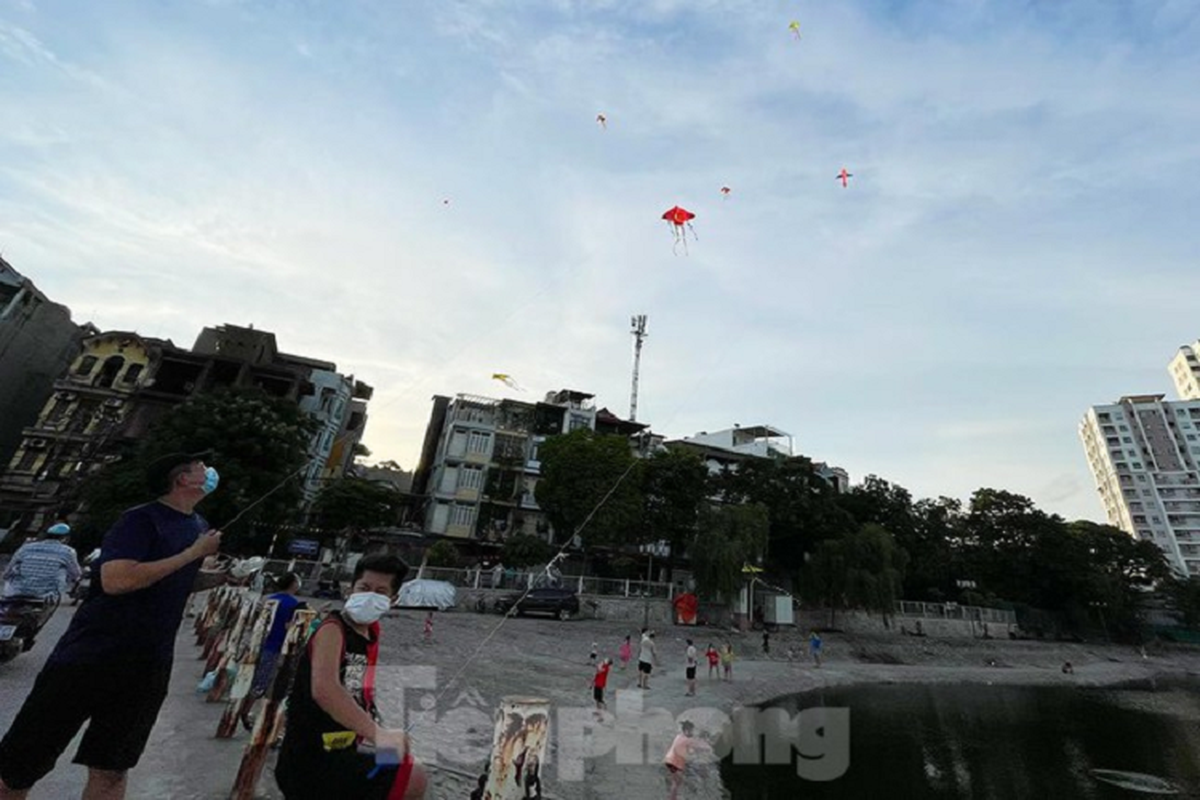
<point>520,580</point>
<point>312,573</point>
<point>999,616</point>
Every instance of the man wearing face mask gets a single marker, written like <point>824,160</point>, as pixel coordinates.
<point>332,708</point>
<point>112,667</point>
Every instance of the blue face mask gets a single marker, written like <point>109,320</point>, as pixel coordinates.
<point>211,480</point>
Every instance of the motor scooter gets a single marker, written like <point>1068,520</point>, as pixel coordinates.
<point>21,617</point>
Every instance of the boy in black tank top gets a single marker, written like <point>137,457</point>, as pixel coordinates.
<point>332,708</point>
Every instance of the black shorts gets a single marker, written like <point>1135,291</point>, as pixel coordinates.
<point>120,703</point>
<point>691,673</point>
<point>598,694</point>
<point>345,774</point>
<point>645,666</point>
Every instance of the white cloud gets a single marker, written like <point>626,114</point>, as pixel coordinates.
<point>1020,193</point>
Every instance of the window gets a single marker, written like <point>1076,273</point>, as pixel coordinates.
<point>1128,440</point>
<point>478,442</point>
<point>108,373</point>
<point>132,373</point>
<point>1123,427</point>
<point>458,444</point>
<point>1137,465</point>
<point>471,478</point>
<point>1141,479</point>
<point>462,515</point>
<point>85,365</point>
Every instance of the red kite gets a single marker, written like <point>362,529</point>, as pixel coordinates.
<point>677,218</point>
<point>725,190</point>
<point>844,177</point>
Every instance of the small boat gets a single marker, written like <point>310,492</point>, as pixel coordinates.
<point>1135,781</point>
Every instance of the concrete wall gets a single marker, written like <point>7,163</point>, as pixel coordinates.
<point>861,622</point>
<point>37,342</point>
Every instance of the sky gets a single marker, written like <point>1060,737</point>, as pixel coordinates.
<point>421,193</point>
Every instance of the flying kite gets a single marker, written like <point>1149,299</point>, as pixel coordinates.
<point>844,177</point>
<point>677,218</point>
<point>795,29</point>
<point>725,190</point>
<point>602,120</point>
<point>507,380</point>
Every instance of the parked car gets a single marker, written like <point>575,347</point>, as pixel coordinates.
<point>562,603</point>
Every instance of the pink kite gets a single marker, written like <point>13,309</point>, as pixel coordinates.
<point>844,177</point>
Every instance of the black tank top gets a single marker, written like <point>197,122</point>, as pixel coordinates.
<point>309,728</point>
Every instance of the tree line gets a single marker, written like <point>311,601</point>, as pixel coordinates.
<point>864,548</point>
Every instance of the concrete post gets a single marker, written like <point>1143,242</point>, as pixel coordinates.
<point>518,748</point>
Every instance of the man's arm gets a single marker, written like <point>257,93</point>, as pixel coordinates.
<point>327,688</point>
<point>127,575</point>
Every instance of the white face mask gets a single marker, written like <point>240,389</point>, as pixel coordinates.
<point>364,608</point>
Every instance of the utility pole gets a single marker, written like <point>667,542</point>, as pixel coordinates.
<point>638,329</point>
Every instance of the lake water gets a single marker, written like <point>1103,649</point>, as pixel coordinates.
<point>952,742</point>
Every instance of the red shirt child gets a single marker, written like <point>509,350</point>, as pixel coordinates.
<point>600,682</point>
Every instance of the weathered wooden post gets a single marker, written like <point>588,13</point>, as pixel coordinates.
<point>269,723</point>
<point>231,647</point>
<point>518,748</point>
<point>247,660</point>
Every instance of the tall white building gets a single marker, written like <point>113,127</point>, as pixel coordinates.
<point>1185,371</point>
<point>1144,453</point>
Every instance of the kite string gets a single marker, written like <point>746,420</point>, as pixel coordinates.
<point>559,556</point>
<point>562,551</point>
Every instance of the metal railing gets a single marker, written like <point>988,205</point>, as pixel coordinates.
<point>522,579</point>
<point>312,572</point>
<point>999,616</point>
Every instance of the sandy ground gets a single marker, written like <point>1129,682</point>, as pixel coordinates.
<point>447,691</point>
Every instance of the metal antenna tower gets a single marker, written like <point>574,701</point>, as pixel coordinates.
<point>638,329</point>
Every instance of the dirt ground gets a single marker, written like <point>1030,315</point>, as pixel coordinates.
<point>447,692</point>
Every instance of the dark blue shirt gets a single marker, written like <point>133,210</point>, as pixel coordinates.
<point>279,626</point>
<point>138,626</point>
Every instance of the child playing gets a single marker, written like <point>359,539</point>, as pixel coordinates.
<point>599,682</point>
<point>594,654</point>
<point>683,748</point>
<point>713,659</point>
<point>429,627</point>
<point>626,652</point>
<point>814,647</point>
<point>727,661</point>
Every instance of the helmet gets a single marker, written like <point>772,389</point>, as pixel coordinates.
<point>59,529</point>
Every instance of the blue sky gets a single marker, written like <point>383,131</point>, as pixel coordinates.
<point>1018,241</point>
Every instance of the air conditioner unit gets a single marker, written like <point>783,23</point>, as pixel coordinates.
<point>189,386</point>
<point>37,444</point>
<point>65,395</point>
<point>114,402</point>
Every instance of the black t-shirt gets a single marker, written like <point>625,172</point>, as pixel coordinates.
<point>308,723</point>
<point>138,626</point>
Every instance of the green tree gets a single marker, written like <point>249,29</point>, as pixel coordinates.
<point>258,444</point>
<point>354,505</point>
<point>674,486</point>
<point>729,538</point>
<point>442,554</point>
<point>860,569</point>
<point>523,550</point>
<point>590,478</point>
<point>802,506</point>
<point>1185,595</point>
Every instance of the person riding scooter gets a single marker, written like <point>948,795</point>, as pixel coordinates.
<point>43,568</point>
<point>40,571</point>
